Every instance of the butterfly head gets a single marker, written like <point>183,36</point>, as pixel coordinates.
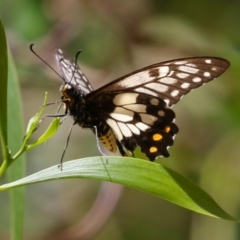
<point>68,93</point>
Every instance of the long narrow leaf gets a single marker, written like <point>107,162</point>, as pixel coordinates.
<point>3,90</point>
<point>15,137</point>
<point>140,174</point>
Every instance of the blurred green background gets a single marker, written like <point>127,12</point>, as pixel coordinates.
<point>118,37</point>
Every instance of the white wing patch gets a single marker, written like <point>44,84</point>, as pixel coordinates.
<point>123,99</point>
<point>122,114</point>
<point>174,93</point>
<point>188,69</point>
<point>158,86</point>
<point>185,85</point>
<point>142,77</point>
<point>146,91</point>
<point>124,129</point>
<point>134,129</point>
<point>168,80</point>
<point>142,126</point>
<point>115,128</point>
<point>148,119</point>
<point>136,107</point>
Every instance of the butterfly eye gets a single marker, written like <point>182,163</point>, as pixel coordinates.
<point>68,91</point>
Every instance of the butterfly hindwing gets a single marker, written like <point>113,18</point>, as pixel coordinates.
<point>138,119</point>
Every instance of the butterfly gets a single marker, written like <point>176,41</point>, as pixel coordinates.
<point>134,110</point>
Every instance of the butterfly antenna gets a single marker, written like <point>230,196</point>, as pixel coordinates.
<point>31,48</point>
<point>75,64</point>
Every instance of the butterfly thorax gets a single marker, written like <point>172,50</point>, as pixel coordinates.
<point>76,105</point>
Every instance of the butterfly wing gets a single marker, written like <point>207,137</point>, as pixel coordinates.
<point>71,73</point>
<point>137,106</point>
<point>169,80</point>
<point>138,119</point>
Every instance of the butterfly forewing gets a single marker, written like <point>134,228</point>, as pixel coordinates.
<point>170,80</point>
<point>134,110</point>
<point>71,73</point>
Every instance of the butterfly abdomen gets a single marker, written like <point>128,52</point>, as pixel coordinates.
<point>106,136</point>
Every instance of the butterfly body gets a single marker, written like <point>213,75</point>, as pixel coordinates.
<point>82,112</point>
<point>135,110</point>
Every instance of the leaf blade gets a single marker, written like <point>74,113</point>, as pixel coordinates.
<point>15,137</point>
<point>136,173</point>
<point>3,91</point>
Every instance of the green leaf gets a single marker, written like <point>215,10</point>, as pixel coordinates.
<point>3,91</point>
<point>136,173</point>
<point>15,138</point>
<point>10,120</point>
<point>51,130</point>
<point>33,123</point>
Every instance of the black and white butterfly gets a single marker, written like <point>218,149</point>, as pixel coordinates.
<point>135,110</point>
